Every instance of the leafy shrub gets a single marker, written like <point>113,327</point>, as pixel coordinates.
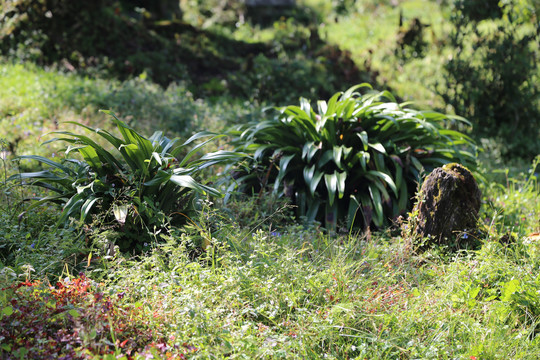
<point>492,76</point>
<point>357,153</point>
<point>135,190</point>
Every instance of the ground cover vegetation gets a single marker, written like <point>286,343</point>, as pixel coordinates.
<point>304,255</point>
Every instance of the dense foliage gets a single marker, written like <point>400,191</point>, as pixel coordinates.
<point>135,188</point>
<point>493,75</point>
<point>127,39</point>
<point>356,157</point>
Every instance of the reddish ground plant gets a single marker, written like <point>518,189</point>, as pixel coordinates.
<point>74,320</point>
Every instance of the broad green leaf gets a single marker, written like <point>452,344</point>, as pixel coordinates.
<point>188,182</point>
<point>158,158</point>
<point>258,154</point>
<point>131,137</point>
<point>352,89</point>
<point>331,185</point>
<point>86,208</point>
<point>341,183</point>
<point>73,206</point>
<point>416,163</point>
<point>305,105</point>
<point>331,108</point>
<point>403,196</point>
<point>135,158</point>
<point>386,179</point>
<point>337,151</point>
<point>322,107</point>
<point>218,157</point>
<point>313,209</point>
<point>160,178</point>
<point>73,313</point>
<point>283,169</point>
<point>377,205</point>
<point>309,150</point>
<point>91,157</point>
<point>312,177</point>
<point>363,157</point>
<point>352,213</point>
<point>398,172</point>
<point>377,146</point>
<point>364,137</point>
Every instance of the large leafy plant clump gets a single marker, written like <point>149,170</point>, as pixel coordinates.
<point>358,158</point>
<point>135,189</point>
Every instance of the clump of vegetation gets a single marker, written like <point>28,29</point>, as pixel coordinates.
<point>357,158</point>
<point>137,188</point>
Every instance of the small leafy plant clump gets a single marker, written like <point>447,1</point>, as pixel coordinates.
<point>135,189</point>
<point>75,319</point>
<point>356,159</point>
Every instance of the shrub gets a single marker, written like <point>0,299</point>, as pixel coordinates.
<point>358,152</point>
<point>492,75</point>
<point>136,190</point>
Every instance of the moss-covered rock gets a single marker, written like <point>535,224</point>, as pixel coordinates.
<point>448,205</point>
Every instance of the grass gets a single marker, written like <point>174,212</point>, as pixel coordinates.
<point>302,294</point>
<point>263,287</point>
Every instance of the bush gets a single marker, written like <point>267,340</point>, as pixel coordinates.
<point>492,76</point>
<point>136,189</point>
<point>358,153</point>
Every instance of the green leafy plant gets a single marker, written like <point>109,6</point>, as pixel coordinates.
<point>138,188</point>
<point>358,152</point>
